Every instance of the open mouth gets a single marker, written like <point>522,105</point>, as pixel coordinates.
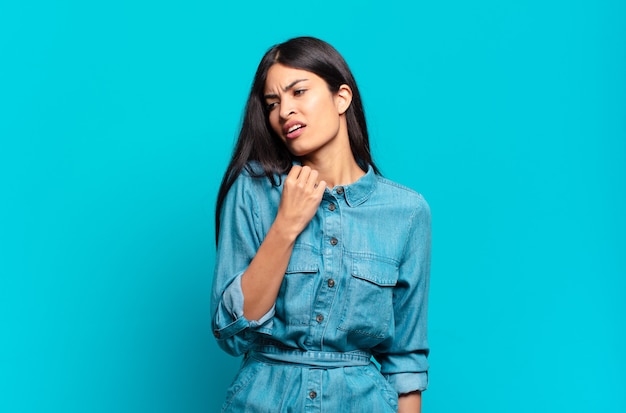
<point>294,130</point>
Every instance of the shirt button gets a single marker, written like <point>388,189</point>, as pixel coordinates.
<point>332,207</point>
<point>340,190</point>
<point>333,241</point>
<point>312,394</point>
<point>331,283</point>
<point>319,318</point>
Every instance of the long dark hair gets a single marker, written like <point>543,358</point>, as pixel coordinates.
<point>258,142</point>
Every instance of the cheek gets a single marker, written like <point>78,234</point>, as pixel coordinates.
<point>326,107</point>
<point>327,112</point>
<point>273,119</point>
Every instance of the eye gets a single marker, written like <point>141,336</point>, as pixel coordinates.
<point>270,106</point>
<point>299,92</point>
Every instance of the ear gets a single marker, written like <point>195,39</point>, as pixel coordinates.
<point>343,98</point>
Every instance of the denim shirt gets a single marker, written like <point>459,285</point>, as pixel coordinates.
<point>356,284</point>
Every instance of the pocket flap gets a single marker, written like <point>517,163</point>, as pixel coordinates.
<point>302,260</point>
<point>377,272</point>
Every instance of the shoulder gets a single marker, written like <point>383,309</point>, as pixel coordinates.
<point>253,169</point>
<point>402,194</point>
<point>254,176</point>
<point>253,187</point>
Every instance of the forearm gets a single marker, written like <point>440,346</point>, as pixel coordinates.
<point>410,402</point>
<point>261,281</point>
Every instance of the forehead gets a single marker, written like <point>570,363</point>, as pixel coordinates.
<point>279,76</point>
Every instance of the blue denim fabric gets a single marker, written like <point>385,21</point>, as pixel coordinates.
<point>356,286</point>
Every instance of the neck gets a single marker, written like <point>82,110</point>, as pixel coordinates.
<point>335,162</point>
<point>337,168</point>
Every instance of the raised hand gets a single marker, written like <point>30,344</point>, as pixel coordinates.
<point>301,197</point>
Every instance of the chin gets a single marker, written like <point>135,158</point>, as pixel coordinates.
<point>299,152</point>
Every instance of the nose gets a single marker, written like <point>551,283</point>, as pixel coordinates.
<point>287,108</point>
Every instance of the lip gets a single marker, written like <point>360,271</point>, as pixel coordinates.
<point>294,134</point>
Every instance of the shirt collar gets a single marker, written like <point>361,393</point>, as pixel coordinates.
<point>359,191</point>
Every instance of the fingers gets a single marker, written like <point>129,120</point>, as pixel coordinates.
<point>294,173</point>
<point>320,187</point>
<point>301,197</point>
<point>304,177</point>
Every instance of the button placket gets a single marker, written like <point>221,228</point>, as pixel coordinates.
<point>320,315</point>
<point>314,383</point>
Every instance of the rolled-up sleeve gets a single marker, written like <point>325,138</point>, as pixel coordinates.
<point>404,360</point>
<point>237,244</point>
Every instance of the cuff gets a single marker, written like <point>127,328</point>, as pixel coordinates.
<point>229,319</point>
<point>408,382</point>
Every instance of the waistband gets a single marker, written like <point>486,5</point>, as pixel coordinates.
<point>275,354</point>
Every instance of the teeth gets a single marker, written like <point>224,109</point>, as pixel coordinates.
<point>293,128</point>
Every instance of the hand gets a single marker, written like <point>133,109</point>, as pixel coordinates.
<point>301,197</point>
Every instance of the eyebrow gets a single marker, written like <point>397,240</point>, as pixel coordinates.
<point>285,89</point>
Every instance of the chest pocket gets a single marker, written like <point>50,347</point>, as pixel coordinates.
<point>368,308</point>
<point>295,298</point>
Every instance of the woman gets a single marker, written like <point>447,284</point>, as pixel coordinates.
<point>322,264</point>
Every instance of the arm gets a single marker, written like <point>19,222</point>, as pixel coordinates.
<point>403,359</point>
<point>410,402</point>
<point>261,281</point>
<point>250,265</point>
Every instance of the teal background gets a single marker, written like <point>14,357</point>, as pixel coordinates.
<point>116,123</point>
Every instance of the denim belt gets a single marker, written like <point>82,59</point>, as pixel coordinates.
<point>273,354</point>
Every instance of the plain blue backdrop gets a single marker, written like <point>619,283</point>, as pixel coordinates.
<point>117,120</point>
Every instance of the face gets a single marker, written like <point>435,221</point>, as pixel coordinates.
<point>303,112</point>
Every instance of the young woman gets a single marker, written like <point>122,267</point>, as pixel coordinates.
<point>322,264</point>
